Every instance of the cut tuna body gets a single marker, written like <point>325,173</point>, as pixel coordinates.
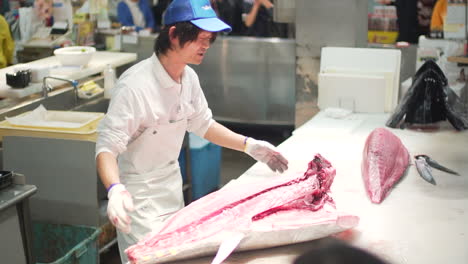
<point>384,161</point>
<point>286,209</point>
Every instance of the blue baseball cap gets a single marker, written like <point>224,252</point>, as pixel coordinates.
<point>198,12</point>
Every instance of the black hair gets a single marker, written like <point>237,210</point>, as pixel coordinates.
<point>184,31</point>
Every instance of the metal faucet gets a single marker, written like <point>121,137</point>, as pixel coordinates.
<point>46,88</point>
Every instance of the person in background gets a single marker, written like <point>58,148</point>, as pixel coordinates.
<point>43,9</point>
<point>230,11</point>
<point>407,20</point>
<point>4,7</point>
<point>258,19</point>
<point>424,10</point>
<point>153,105</point>
<point>8,45</point>
<point>159,6</point>
<point>135,13</point>
<point>413,18</point>
<point>438,16</point>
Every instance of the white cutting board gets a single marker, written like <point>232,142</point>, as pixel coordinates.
<point>361,59</point>
<point>365,62</point>
<point>358,93</point>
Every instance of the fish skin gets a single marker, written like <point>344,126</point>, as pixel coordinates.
<point>429,99</point>
<point>299,200</point>
<point>385,160</point>
<point>424,170</point>
<point>434,164</point>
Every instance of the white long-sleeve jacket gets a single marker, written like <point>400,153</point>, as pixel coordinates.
<point>144,99</point>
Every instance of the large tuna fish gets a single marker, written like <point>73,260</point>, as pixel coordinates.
<point>384,161</point>
<point>286,209</point>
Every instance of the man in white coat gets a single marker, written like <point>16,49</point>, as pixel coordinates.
<point>152,106</point>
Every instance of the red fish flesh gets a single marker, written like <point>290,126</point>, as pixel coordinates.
<point>384,161</point>
<point>284,210</point>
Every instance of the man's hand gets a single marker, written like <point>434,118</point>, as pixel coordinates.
<point>267,153</point>
<point>120,201</point>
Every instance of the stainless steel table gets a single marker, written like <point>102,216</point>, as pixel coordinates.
<point>417,223</point>
<point>15,224</point>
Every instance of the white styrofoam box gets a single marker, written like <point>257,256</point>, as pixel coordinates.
<point>439,50</point>
<point>390,102</point>
<point>358,93</point>
<point>360,59</point>
<point>381,63</point>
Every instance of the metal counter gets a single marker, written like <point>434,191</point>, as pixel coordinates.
<point>251,80</point>
<point>15,224</point>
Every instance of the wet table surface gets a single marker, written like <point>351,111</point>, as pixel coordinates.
<point>417,222</point>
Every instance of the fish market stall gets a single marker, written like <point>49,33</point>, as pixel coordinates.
<point>417,222</point>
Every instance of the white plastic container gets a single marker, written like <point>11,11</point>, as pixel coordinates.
<point>39,72</point>
<point>362,80</point>
<point>109,80</point>
<point>75,55</point>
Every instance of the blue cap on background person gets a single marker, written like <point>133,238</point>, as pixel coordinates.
<point>198,12</point>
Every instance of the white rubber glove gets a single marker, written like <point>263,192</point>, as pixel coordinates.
<point>267,153</point>
<point>120,201</point>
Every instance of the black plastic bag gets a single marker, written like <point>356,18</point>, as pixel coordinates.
<point>430,100</point>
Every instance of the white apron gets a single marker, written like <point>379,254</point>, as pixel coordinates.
<point>150,171</point>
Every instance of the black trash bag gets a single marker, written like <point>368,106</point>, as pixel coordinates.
<point>430,100</point>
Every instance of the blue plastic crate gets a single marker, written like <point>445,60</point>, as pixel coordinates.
<point>65,244</point>
<point>205,165</point>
